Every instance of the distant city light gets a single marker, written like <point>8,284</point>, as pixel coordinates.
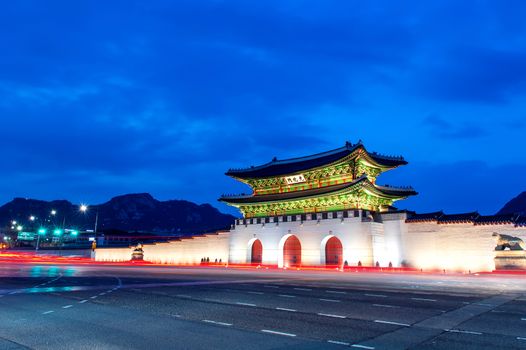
<point>74,232</point>
<point>42,231</point>
<point>57,232</point>
<point>53,212</point>
<point>13,222</point>
<point>83,208</point>
<point>32,218</point>
<point>19,228</point>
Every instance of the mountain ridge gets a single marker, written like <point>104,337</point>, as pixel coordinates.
<point>516,205</point>
<point>128,212</point>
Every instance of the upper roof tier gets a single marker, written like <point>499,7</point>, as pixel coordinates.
<point>289,166</point>
<point>385,191</point>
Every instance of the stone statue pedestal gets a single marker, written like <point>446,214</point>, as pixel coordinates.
<point>510,259</point>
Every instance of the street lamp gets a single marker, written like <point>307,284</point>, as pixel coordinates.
<point>32,218</point>
<point>84,208</point>
<point>53,212</point>
<point>41,231</point>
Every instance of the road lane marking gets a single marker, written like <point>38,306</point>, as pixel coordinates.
<point>376,295</point>
<point>383,305</point>
<point>271,286</point>
<point>48,312</point>
<point>461,331</point>
<point>393,323</point>
<point>338,342</point>
<point>285,309</point>
<point>423,299</point>
<point>335,292</point>
<point>101,294</point>
<point>521,338</point>
<point>331,315</point>
<point>488,305</point>
<point>67,306</point>
<point>217,322</point>
<point>256,293</point>
<point>286,296</point>
<point>183,296</point>
<point>278,333</point>
<point>304,289</point>
<point>83,301</point>
<point>245,304</point>
<point>93,297</point>
<point>330,300</point>
<point>362,346</point>
<point>523,319</point>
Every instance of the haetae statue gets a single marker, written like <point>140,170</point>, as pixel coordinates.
<point>507,241</point>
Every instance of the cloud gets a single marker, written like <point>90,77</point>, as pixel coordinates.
<point>444,129</point>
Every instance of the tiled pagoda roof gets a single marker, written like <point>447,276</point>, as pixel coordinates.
<point>382,190</point>
<point>473,217</point>
<point>293,165</point>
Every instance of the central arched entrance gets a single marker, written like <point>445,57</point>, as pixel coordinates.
<point>256,255</point>
<point>292,252</point>
<point>333,252</point>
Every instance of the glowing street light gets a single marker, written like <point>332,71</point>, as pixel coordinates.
<point>13,222</point>
<point>32,218</point>
<point>19,228</point>
<point>57,232</point>
<point>53,212</point>
<point>84,208</point>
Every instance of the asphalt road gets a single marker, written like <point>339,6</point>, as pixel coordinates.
<point>111,307</point>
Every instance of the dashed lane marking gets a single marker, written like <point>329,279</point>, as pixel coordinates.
<point>48,312</point>
<point>183,296</point>
<point>271,286</point>
<point>362,346</point>
<point>338,342</point>
<point>93,297</point>
<point>461,331</point>
<point>304,289</point>
<point>330,300</point>
<point>523,319</point>
<point>286,296</point>
<point>83,301</point>
<point>376,295</point>
<point>285,309</point>
<point>393,323</point>
<point>245,304</point>
<point>67,306</point>
<point>331,315</point>
<point>101,294</point>
<point>217,322</point>
<point>390,306</point>
<point>256,293</point>
<point>423,299</point>
<point>521,338</point>
<point>335,292</point>
<point>278,333</point>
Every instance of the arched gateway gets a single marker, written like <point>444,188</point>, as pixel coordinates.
<point>256,256</point>
<point>291,251</point>
<point>333,252</point>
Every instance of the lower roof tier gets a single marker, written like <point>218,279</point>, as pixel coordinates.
<point>359,194</point>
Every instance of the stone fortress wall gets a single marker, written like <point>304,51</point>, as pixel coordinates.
<point>366,238</point>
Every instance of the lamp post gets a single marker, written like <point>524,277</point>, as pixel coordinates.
<point>84,208</point>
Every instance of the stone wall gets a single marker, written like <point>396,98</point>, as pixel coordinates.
<point>459,247</point>
<point>187,251</point>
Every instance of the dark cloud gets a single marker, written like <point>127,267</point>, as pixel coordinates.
<point>97,99</point>
<point>444,129</point>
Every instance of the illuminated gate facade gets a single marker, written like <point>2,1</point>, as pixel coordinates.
<point>257,252</point>
<point>333,252</point>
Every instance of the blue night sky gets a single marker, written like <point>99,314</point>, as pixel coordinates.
<point>102,98</point>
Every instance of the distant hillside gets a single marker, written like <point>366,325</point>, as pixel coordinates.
<point>131,212</point>
<point>516,206</point>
